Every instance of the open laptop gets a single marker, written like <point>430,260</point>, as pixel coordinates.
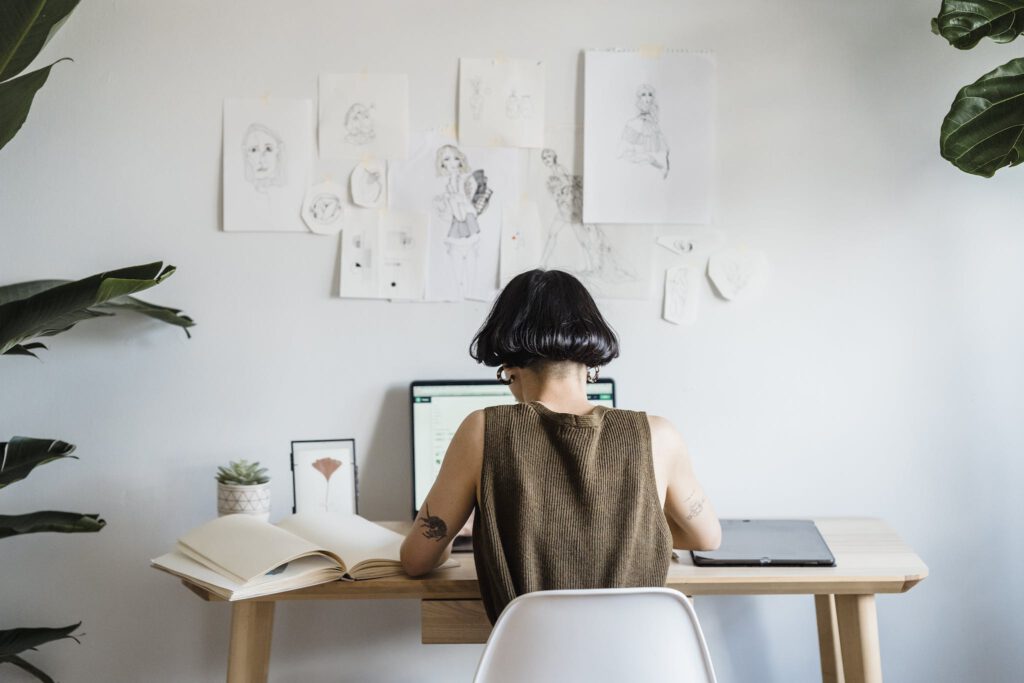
<point>768,543</point>
<point>439,407</point>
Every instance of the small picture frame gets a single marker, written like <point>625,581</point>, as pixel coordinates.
<point>324,477</point>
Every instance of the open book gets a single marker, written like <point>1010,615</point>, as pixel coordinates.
<point>239,557</point>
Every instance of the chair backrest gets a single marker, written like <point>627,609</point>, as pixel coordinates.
<point>614,635</point>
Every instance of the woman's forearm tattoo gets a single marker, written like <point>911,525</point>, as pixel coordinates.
<point>434,527</point>
<point>696,508</point>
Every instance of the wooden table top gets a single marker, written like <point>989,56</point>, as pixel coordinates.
<point>870,558</point>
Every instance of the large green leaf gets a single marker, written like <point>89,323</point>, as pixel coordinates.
<point>57,309</point>
<point>22,454</point>
<point>16,97</point>
<point>984,129</point>
<point>25,26</point>
<point>965,22</point>
<point>27,666</point>
<point>171,316</point>
<point>49,520</point>
<point>16,640</point>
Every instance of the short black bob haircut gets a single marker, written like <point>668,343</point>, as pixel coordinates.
<point>544,315</point>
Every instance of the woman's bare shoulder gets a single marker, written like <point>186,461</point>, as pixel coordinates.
<point>663,432</point>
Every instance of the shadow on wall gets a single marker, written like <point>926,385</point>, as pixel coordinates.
<point>385,473</point>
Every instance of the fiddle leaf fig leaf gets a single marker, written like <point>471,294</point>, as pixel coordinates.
<point>25,27</point>
<point>984,129</point>
<point>965,22</point>
<point>21,455</point>
<point>16,97</point>
<point>49,520</point>
<point>16,640</point>
<point>39,309</point>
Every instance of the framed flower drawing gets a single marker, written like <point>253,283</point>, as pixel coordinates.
<point>324,476</point>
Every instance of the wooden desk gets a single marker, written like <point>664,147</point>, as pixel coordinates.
<point>870,559</point>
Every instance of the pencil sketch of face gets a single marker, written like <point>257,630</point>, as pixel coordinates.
<point>264,157</point>
<point>359,124</point>
<point>451,161</point>
<point>326,208</point>
<point>549,158</point>
<point>645,100</point>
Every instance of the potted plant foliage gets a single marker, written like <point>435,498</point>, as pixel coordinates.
<point>44,308</point>
<point>243,487</point>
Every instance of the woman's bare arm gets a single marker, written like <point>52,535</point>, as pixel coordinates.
<point>450,501</point>
<point>690,515</point>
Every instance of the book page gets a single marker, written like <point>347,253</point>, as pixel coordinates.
<point>351,537</point>
<point>306,571</point>
<point>242,547</point>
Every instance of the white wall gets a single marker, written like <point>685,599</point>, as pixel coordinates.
<point>880,374</point>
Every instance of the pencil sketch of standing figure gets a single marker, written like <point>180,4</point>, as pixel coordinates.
<point>477,97</point>
<point>599,261</point>
<point>359,128</point>
<point>642,140</point>
<point>464,197</point>
<point>263,150</point>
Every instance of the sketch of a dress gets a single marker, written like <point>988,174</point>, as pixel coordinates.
<point>264,154</point>
<point>477,97</point>
<point>359,129</point>
<point>642,140</point>
<point>599,262</point>
<point>464,197</point>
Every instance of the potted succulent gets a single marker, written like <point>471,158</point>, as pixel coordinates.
<point>243,487</point>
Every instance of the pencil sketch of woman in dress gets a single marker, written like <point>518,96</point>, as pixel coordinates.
<point>642,140</point>
<point>464,197</point>
<point>263,150</point>
<point>359,124</point>
<point>600,265</point>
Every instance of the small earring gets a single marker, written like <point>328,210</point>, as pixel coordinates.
<point>501,378</point>
<point>592,377</point>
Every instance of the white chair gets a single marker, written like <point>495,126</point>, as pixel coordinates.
<point>617,635</point>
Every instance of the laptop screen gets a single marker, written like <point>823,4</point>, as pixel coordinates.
<point>440,406</point>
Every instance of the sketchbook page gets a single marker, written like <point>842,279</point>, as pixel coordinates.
<point>243,547</point>
<point>612,261</point>
<point>368,184</point>
<point>351,537</point>
<point>737,272</point>
<point>323,208</point>
<point>464,191</point>
<point>359,256</point>
<point>681,287</point>
<point>501,102</point>
<point>384,255</point>
<point>402,244</point>
<point>268,153</point>
<point>364,116</point>
<point>522,240</point>
<point>648,136</point>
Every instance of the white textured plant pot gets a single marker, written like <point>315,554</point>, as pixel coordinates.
<point>233,499</point>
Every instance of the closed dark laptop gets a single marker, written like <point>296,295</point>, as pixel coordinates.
<point>768,543</point>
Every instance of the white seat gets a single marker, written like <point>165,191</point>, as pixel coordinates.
<point>614,634</point>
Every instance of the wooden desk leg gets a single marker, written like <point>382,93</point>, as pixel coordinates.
<point>828,639</point>
<point>858,638</point>
<point>252,625</point>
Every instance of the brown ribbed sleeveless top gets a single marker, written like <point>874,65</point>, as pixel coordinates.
<point>567,501</point>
